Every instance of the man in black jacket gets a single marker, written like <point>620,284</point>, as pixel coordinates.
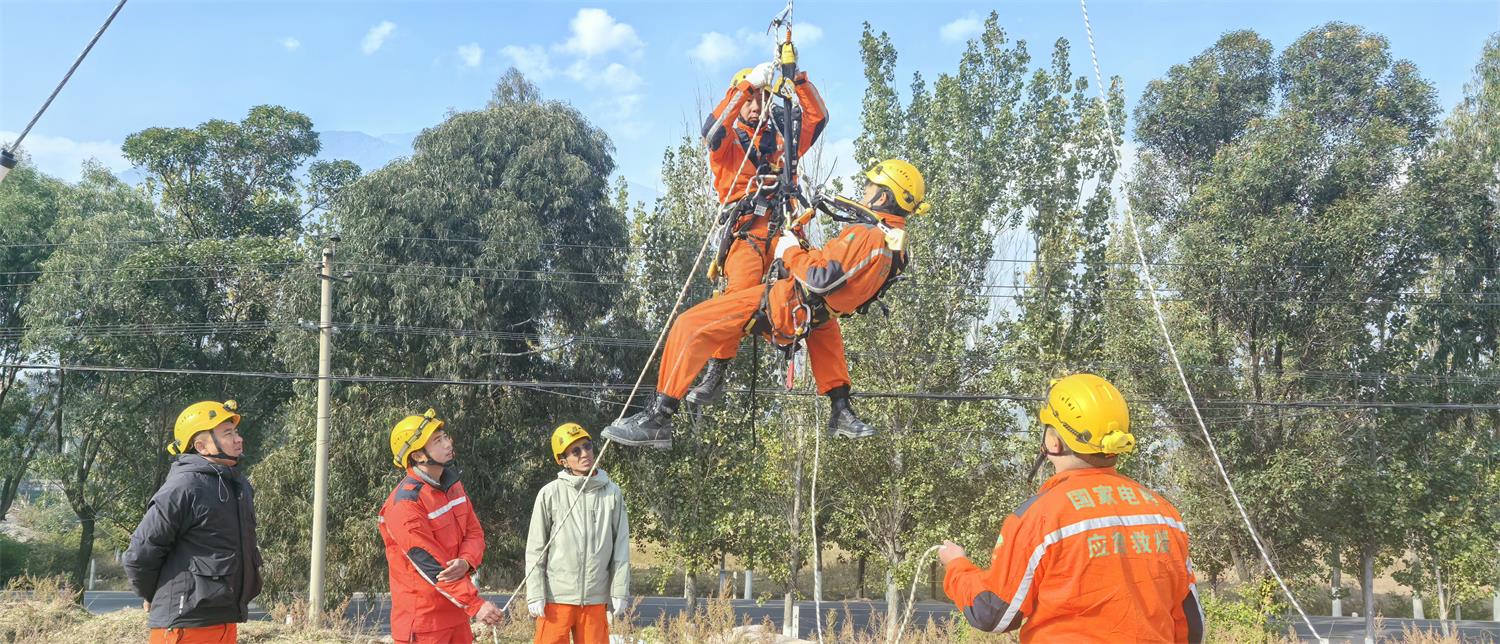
<point>193,557</point>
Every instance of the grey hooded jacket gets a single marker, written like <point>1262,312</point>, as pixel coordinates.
<point>589,561</point>
<point>194,555</point>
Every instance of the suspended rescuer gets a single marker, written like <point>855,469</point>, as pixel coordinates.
<point>746,150</point>
<point>582,580</point>
<point>193,557</point>
<point>847,275</point>
<point>1094,556</point>
<point>433,541</point>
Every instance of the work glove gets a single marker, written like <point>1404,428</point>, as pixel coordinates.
<point>762,74</point>
<point>786,242</point>
<point>538,608</point>
<point>620,604</point>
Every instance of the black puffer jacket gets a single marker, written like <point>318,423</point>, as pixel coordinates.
<point>194,554</point>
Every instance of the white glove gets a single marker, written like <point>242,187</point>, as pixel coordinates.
<point>786,242</point>
<point>538,608</point>
<point>620,603</point>
<point>761,75</point>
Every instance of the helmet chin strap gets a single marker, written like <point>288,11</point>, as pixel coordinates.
<point>1041,457</point>
<point>222,454</point>
<point>432,461</point>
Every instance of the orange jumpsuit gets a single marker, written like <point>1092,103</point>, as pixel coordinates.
<point>1093,557</point>
<point>737,152</point>
<point>861,252</point>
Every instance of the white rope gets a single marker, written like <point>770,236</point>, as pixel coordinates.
<point>817,553</point>
<point>1161,321</point>
<point>665,328</point>
<point>911,598</point>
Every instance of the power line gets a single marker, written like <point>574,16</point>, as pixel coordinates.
<point>919,258</point>
<point>260,326</point>
<point>597,386</point>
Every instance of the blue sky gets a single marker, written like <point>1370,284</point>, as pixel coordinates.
<point>642,70</point>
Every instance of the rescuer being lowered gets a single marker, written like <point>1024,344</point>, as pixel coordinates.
<point>849,273</point>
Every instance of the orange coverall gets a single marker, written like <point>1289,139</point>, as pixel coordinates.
<point>730,141</point>
<point>1093,557</point>
<point>217,634</point>
<point>859,250</point>
<point>424,527</point>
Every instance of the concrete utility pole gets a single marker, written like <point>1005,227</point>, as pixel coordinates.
<point>320,469</point>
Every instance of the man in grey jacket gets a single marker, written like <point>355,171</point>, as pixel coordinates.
<point>193,557</point>
<point>583,577</point>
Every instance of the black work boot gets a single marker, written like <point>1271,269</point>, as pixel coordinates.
<point>711,388</point>
<point>652,427</point>
<point>841,419</point>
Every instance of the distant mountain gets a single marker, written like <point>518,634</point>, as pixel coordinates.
<point>371,152</point>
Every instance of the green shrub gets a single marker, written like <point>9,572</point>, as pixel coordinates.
<point>1232,621</point>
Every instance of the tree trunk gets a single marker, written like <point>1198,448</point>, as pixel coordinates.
<point>789,615</point>
<point>892,605</point>
<point>1241,570</point>
<point>1336,583</point>
<point>723,588</point>
<point>1367,588</point>
<point>8,488</point>
<point>861,594</point>
<point>85,552</point>
<point>690,589</point>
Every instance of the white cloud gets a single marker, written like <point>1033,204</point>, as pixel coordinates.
<point>471,54</point>
<point>961,30</point>
<point>596,32</point>
<point>375,38</point>
<point>829,159</point>
<point>291,44</point>
<point>806,34</point>
<point>715,49</point>
<point>619,78</point>
<point>63,157</point>
<point>531,61</point>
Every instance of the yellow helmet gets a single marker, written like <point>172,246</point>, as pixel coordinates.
<point>1089,415</point>
<point>200,417</point>
<point>563,437</point>
<point>412,434</point>
<point>904,182</point>
<point>740,76</point>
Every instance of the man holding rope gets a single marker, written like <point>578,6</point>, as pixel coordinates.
<point>1094,556</point>
<point>433,540</point>
<point>580,567</point>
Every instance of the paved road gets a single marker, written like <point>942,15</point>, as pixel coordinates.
<point>374,612</point>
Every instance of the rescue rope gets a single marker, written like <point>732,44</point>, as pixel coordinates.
<point>911,598</point>
<point>1161,321</point>
<point>660,338</point>
<point>817,552</point>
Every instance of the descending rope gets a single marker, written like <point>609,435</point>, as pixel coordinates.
<point>911,598</point>
<point>817,559</point>
<point>1161,320</point>
<point>17,143</point>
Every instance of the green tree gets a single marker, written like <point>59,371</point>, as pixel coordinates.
<point>492,253</point>
<point>1260,215</point>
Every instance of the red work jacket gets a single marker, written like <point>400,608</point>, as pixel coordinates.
<point>424,527</point>
<point>1093,557</point>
